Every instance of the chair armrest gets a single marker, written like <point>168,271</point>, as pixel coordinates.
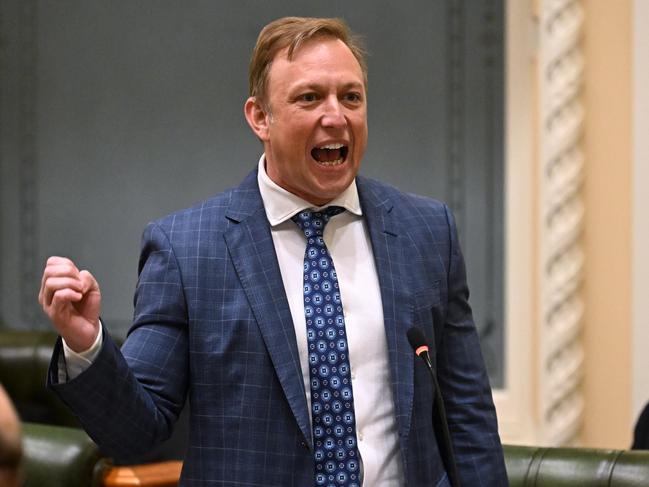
<point>162,474</point>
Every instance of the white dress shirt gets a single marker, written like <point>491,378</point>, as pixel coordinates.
<point>349,245</point>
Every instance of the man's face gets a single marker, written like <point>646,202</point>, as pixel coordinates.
<point>316,132</point>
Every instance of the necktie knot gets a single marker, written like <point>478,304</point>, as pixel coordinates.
<point>312,223</point>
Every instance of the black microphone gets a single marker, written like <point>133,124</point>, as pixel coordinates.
<point>418,343</point>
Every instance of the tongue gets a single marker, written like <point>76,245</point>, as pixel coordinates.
<point>326,155</point>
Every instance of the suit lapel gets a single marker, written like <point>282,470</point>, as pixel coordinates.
<point>388,245</point>
<point>253,254</point>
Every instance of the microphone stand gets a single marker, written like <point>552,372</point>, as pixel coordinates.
<point>440,424</point>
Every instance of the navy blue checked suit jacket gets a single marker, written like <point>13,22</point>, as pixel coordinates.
<point>212,322</point>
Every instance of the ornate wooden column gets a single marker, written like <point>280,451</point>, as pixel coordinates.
<point>560,212</point>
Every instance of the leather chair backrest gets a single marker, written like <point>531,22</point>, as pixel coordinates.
<point>56,456</point>
<point>559,467</point>
<point>24,359</point>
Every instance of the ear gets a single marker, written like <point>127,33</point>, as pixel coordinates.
<point>257,118</point>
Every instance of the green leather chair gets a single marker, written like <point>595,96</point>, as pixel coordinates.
<point>24,360</point>
<point>58,456</point>
<point>559,467</point>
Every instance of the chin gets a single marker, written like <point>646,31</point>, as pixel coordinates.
<point>331,191</point>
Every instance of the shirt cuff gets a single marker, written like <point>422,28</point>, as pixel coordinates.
<point>76,363</point>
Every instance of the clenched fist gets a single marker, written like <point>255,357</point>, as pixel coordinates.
<point>72,301</point>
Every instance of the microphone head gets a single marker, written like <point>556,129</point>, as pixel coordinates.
<point>417,340</point>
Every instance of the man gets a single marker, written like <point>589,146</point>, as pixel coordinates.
<point>10,442</point>
<point>295,361</point>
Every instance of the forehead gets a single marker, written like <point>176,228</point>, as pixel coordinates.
<point>322,57</point>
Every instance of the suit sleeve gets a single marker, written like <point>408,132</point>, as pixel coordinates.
<point>464,383</point>
<point>128,400</point>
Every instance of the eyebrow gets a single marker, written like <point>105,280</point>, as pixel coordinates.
<point>354,84</point>
<point>315,86</point>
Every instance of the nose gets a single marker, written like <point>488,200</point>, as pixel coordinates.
<point>333,116</point>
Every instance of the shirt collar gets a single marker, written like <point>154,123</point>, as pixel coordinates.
<point>281,205</point>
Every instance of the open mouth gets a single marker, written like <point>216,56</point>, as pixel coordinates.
<point>330,155</point>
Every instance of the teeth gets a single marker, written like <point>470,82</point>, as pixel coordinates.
<point>332,146</point>
<point>331,163</point>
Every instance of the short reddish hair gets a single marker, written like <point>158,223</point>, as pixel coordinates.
<point>291,32</point>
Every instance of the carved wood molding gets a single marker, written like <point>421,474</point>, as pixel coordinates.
<point>560,221</point>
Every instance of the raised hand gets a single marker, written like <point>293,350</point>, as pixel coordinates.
<point>72,301</point>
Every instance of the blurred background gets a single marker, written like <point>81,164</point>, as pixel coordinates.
<point>527,117</point>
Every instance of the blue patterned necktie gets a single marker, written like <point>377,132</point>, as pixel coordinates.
<point>337,461</point>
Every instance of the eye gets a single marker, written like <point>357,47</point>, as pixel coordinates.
<point>353,97</point>
<point>307,97</point>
